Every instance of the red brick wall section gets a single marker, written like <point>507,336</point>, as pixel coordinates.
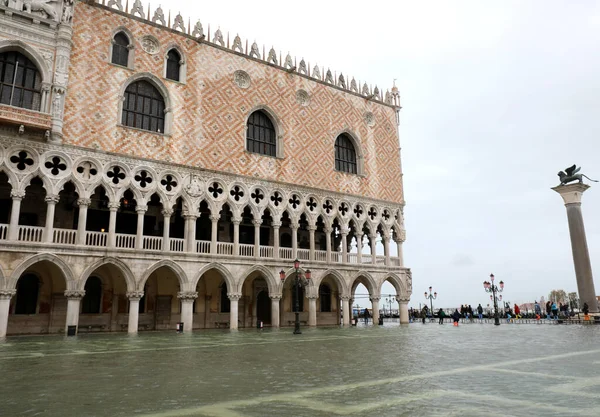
<point>210,112</point>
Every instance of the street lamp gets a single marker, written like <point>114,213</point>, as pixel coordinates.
<point>299,281</point>
<point>431,297</point>
<point>493,289</point>
<point>390,300</point>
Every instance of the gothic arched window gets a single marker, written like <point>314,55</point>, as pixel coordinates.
<point>173,65</point>
<point>325,297</point>
<point>144,107</point>
<point>225,304</point>
<point>28,289</point>
<point>20,81</point>
<point>345,154</point>
<point>93,294</point>
<point>260,134</point>
<point>120,50</point>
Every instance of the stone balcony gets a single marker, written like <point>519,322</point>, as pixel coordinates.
<point>25,117</point>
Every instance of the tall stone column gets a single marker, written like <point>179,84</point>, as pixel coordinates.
<point>346,310</point>
<point>359,243</point>
<point>312,310</point>
<point>344,245</point>
<point>139,235</point>
<point>236,236</point>
<point>51,201</point>
<point>83,204</point>
<point>234,298</point>
<point>275,300</point>
<point>571,195</point>
<point>328,231</point>
<point>311,241</point>
<point>276,226</point>
<point>73,302</point>
<point>213,234</point>
<point>166,245</point>
<point>294,227</point>
<point>375,303</point>
<point>5,296</point>
<point>187,299</point>
<point>13,228</point>
<point>112,224</point>
<point>400,254</point>
<point>257,224</point>
<point>134,310</point>
<point>403,307</point>
<point>386,247</point>
<point>373,241</point>
<point>190,232</point>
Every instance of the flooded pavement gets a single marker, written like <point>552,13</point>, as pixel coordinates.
<point>419,370</point>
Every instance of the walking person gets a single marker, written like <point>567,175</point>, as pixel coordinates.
<point>480,312</point>
<point>554,310</point>
<point>441,315</point>
<point>537,308</point>
<point>366,315</point>
<point>517,312</point>
<point>548,309</point>
<point>470,310</point>
<point>456,317</point>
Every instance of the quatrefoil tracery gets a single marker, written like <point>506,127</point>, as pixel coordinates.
<point>372,213</point>
<point>327,206</point>
<point>22,160</point>
<point>143,178</point>
<point>358,211</point>
<point>343,209</point>
<point>87,170</point>
<point>311,204</point>
<point>258,196</point>
<point>276,198</point>
<point>116,174</point>
<point>236,192</point>
<point>215,189</point>
<point>294,201</point>
<point>55,165</point>
<point>168,182</point>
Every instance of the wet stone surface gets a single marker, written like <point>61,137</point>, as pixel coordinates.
<point>419,370</point>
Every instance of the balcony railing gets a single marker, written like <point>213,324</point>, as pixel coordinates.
<point>35,234</point>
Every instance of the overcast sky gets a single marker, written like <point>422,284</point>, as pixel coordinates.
<point>497,98</point>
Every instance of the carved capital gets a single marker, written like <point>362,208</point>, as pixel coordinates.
<point>344,231</point>
<point>84,202</point>
<point>257,222</point>
<point>276,225</point>
<point>214,218</point>
<point>375,299</point>
<point>114,206</point>
<point>236,221</point>
<point>402,300</point>
<point>294,226</point>
<point>74,294</point>
<point>345,298</point>
<point>7,294</point>
<point>312,296</point>
<point>187,295</point>
<point>141,209</point>
<point>131,46</point>
<point>312,228</point>
<point>234,296</point>
<point>167,212</point>
<point>276,297</point>
<point>17,194</point>
<point>52,199</point>
<point>135,295</point>
<point>328,229</point>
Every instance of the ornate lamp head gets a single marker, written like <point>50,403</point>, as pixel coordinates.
<point>307,274</point>
<point>492,277</point>
<point>296,264</point>
<point>282,275</point>
<point>502,285</point>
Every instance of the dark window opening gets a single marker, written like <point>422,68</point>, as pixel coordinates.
<point>173,65</point>
<point>144,107</point>
<point>120,51</point>
<point>260,134</point>
<point>345,155</point>
<point>20,81</point>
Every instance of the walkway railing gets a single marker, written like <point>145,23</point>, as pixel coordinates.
<point>35,234</point>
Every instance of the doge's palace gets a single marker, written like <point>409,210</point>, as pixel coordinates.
<point>154,172</point>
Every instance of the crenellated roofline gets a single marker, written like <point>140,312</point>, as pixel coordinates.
<point>216,39</point>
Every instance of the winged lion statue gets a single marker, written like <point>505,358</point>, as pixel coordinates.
<point>571,174</point>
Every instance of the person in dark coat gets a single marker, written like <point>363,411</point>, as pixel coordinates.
<point>441,315</point>
<point>456,317</point>
<point>586,309</point>
<point>366,315</point>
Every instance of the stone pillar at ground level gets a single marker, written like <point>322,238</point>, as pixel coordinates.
<point>346,311</point>
<point>5,296</point>
<point>134,310</point>
<point>375,302</point>
<point>187,299</point>
<point>312,310</point>
<point>233,310</point>
<point>403,307</point>
<point>571,195</point>
<point>275,299</point>
<point>73,302</point>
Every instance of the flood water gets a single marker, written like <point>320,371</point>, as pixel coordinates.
<point>416,370</point>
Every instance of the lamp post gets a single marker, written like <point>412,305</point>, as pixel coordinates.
<point>299,280</point>
<point>390,300</point>
<point>493,289</point>
<point>431,297</point>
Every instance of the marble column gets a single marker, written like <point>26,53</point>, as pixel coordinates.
<point>236,236</point>
<point>403,307</point>
<point>134,310</point>
<point>275,300</point>
<point>190,232</point>
<point>139,236</point>
<point>328,231</point>
<point>5,296</point>
<point>166,244</point>
<point>294,227</point>
<point>83,204</point>
<point>51,201</point>
<point>257,224</point>
<point>346,311</point>
<point>572,195</point>
<point>213,234</point>
<point>373,242</point>
<point>234,299</point>
<point>187,299</point>
<point>400,253</point>
<point>112,224</point>
<point>375,303</point>
<point>276,226</point>
<point>312,310</point>
<point>386,248</point>
<point>344,233</point>
<point>311,241</point>
<point>359,243</point>
<point>73,302</point>
<point>13,228</point>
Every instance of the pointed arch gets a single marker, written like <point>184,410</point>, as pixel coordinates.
<point>367,280</point>
<point>338,278</point>
<point>355,141</point>
<point>12,178</point>
<point>397,283</point>
<point>274,287</point>
<point>167,263</point>
<point>109,260</point>
<point>49,257</point>
<point>79,188</point>
<point>46,183</point>
<point>29,52</point>
<point>225,273</point>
